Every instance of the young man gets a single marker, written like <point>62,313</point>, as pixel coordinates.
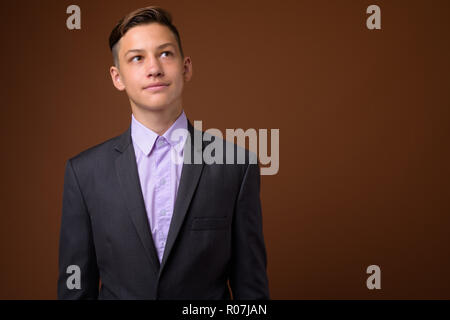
<point>144,225</point>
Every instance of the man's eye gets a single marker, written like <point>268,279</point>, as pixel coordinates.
<point>132,59</point>
<point>168,53</point>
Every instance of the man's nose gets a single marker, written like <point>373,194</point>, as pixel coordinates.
<point>154,68</point>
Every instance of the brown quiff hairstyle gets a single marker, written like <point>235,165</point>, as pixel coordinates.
<point>141,16</point>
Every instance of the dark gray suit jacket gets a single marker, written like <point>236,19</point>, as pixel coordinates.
<point>215,234</point>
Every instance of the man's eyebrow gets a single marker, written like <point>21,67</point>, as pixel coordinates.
<point>166,45</point>
<point>159,47</point>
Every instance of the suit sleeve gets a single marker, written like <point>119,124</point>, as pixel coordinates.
<point>76,246</point>
<point>248,277</point>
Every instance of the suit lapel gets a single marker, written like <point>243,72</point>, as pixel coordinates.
<point>127,173</point>
<point>190,176</point>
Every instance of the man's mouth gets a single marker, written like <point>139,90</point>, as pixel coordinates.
<point>156,86</point>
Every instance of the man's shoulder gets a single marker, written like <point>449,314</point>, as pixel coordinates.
<point>96,152</point>
<point>232,153</point>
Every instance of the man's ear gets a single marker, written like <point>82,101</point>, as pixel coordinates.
<point>187,69</point>
<point>116,79</point>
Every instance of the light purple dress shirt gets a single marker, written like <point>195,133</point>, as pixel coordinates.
<point>159,174</point>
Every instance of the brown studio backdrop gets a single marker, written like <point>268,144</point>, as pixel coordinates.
<point>363,118</point>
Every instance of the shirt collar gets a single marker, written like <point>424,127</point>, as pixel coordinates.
<point>145,138</point>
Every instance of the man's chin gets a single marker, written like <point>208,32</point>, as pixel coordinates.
<point>153,105</point>
<point>160,107</point>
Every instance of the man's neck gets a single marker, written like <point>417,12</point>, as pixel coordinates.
<point>157,121</point>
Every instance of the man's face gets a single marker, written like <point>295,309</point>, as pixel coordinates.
<point>149,54</point>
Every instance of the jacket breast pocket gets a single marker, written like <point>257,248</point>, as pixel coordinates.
<point>210,223</point>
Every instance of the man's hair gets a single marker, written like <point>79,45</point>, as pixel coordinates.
<point>141,16</point>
